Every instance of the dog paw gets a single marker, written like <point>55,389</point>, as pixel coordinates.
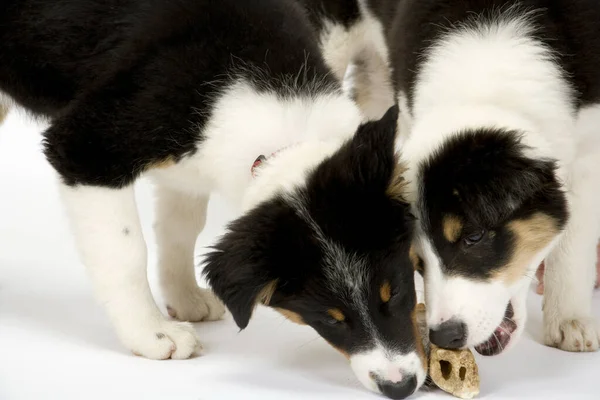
<point>194,304</point>
<point>576,335</point>
<point>162,340</point>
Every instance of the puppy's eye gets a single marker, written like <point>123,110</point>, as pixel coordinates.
<point>474,238</point>
<point>332,321</point>
<point>334,317</point>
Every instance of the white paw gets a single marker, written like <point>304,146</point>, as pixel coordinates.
<point>162,339</point>
<point>580,334</point>
<point>193,304</point>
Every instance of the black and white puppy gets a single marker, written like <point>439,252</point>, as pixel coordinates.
<point>229,96</point>
<point>500,102</point>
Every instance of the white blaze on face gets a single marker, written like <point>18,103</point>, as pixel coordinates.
<point>480,305</point>
<point>384,365</point>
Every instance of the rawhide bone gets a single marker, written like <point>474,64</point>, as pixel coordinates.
<point>453,371</point>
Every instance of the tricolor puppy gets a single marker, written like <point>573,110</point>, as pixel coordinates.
<point>229,96</point>
<point>501,105</point>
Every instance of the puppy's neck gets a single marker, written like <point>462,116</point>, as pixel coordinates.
<point>295,133</point>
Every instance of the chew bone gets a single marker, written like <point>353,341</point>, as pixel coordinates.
<point>453,371</point>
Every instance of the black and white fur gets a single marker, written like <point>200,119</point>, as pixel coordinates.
<point>500,108</point>
<point>191,93</point>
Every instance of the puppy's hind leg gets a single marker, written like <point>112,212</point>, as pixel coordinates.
<point>180,218</point>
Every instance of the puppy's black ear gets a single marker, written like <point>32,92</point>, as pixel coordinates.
<point>237,273</point>
<point>368,161</point>
<point>488,172</point>
<point>372,149</point>
<point>267,249</point>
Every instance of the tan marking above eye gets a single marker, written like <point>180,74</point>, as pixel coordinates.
<point>452,226</point>
<point>336,314</point>
<point>385,292</point>
<point>531,236</point>
<point>292,316</point>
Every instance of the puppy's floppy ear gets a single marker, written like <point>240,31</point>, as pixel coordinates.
<point>268,248</point>
<point>238,275</point>
<point>489,172</point>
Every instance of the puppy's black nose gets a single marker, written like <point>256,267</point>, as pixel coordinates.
<point>451,334</point>
<point>398,390</point>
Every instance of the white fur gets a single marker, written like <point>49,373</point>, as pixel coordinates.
<point>245,124</point>
<point>480,305</point>
<point>490,73</point>
<point>404,120</point>
<point>363,43</point>
<point>340,44</point>
<point>180,218</point>
<point>386,365</point>
<point>287,170</point>
<point>109,238</point>
<point>570,274</point>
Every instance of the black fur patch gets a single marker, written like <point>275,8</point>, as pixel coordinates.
<point>130,83</point>
<point>483,178</point>
<point>289,240</point>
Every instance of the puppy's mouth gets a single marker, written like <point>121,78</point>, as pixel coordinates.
<point>500,339</point>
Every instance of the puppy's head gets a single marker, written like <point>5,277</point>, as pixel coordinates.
<point>334,254</point>
<point>489,214</point>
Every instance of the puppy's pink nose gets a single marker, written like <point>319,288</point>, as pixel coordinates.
<point>394,375</point>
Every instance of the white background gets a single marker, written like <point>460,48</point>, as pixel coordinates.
<point>56,342</point>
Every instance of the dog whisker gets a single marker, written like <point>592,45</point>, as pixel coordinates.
<point>499,343</point>
<point>307,343</point>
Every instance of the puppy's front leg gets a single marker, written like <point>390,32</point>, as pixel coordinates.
<point>109,237</point>
<point>570,275</point>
